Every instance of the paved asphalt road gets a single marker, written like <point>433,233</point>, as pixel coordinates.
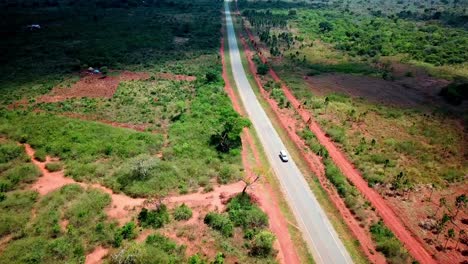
<point>322,239</point>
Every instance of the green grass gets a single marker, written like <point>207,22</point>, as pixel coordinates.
<point>48,243</point>
<point>155,249</point>
<point>54,166</point>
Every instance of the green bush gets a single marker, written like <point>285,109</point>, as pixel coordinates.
<point>220,222</point>
<point>40,155</point>
<point>245,214</point>
<point>262,68</point>
<point>125,232</point>
<point>53,166</point>
<point>154,218</point>
<point>182,212</point>
<point>262,244</point>
<point>388,244</point>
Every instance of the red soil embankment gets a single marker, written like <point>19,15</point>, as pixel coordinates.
<point>268,201</point>
<point>414,245</point>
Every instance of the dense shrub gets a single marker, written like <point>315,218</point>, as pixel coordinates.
<point>262,69</point>
<point>220,222</point>
<point>125,232</point>
<point>262,244</point>
<point>245,214</point>
<point>154,218</point>
<point>182,212</point>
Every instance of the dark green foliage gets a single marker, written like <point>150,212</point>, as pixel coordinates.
<point>455,93</point>
<point>388,244</point>
<point>325,26</point>
<point>211,76</point>
<point>220,222</point>
<point>245,214</point>
<point>262,244</point>
<point>182,212</point>
<point>228,135</point>
<point>154,218</point>
<point>125,232</point>
<point>53,166</point>
<point>262,68</point>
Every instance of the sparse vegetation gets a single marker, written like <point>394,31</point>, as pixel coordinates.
<point>388,244</point>
<point>182,212</point>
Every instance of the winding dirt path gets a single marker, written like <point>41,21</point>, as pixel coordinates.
<point>268,200</point>
<point>414,245</point>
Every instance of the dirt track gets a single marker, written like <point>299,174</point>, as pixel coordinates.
<point>413,245</point>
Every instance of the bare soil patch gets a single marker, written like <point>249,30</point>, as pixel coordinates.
<point>96,256</point>
<point>92,85</point>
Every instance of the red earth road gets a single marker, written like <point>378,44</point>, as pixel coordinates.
<point>389,217</point>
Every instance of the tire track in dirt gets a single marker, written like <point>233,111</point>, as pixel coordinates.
<point>268,201</point>
<point>412,244</point>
